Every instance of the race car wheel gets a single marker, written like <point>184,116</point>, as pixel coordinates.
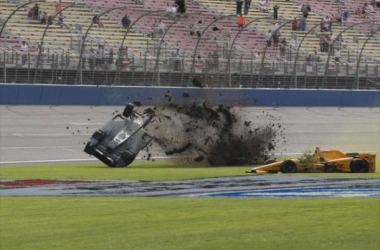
<point>269,161</point>
<point>128,157</point>
<point>128,110</point>
<point>289,166</point>
<point>88,149</point>
<point>359,166</point>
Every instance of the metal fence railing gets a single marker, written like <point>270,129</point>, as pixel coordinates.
<point>213,71</point>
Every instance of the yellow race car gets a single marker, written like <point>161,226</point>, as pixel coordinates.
<point>322,161</point>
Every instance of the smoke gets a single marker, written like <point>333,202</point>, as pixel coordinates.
<point>220,136</point>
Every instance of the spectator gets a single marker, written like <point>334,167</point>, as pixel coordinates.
<point>264,4</point>
<point>364,9</point>
<point>370,7</point>
<point>303,23</point>
<point>168,8</point>
<point>58,7</point>
<point>24,50</point>
<point>44,17</point>
<point>96,20</point>
<point>275,12</point>
<point>339,16</point>
<point>276,39</point>
<point>161,27</point>
<point>283,46</point>
<point>125,21</point>
<point>36,10</point>
<point>300,7</point>
<point>239,4</point>
<point>324,43</point>
<point>181,6</point>
<point>337,54</point>
<point>31,13</point>
<point>50,20</point>
<point>84,56</point>
<point>346,14</point>
<point>339,40</point>
<point>91,59</point>
<point>268,38</point>
<point>373,28</point>
<point>99,61</point>
<point>327,23</point>
<point>174,8</point>
<point>259,60</point>
<point>60,20</point>
<point>110,59</point>
<point>308,8</point>
<point>241,21</point>
<point>316,58</point>
<point>378,3</point>
<point>247,5</point>
<point>176,57</point>
<point>273,28</point>
<point>322,25</point>
<point>125,62</point>
<point>294,24</point>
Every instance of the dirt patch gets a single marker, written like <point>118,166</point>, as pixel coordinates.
<point>40,182</point>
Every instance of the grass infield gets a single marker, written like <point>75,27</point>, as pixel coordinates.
<point>142,170</point>
<point>189,223</point>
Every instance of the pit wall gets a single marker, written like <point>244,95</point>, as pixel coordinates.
<point>19,94</point>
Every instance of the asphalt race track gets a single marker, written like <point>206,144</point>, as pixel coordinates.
<point>48,134</point>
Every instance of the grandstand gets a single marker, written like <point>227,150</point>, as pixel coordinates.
<point>210,46</point>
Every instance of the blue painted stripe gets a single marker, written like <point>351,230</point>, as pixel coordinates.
<point>330,191</point>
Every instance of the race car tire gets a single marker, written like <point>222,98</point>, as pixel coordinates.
<point>359,166</point>
<point>128,157</point>
<point>269,161</point>
<point>128,110</point>
<point>289,166</point>
<point>88,149</point>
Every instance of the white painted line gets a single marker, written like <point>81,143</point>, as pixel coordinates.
<point>44,135</point>
<point>86,124</point>
<point>46,161</point>
<point>71,160</point>
<point>45,147</point>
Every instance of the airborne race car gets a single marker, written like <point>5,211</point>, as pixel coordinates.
<point>322,161</point>
<point>119,141</point>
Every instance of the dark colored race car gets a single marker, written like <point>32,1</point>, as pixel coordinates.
<point>119,141</point>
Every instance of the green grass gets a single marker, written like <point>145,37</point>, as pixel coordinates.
<point>142,170</point>
<point>147,171</point>
<point>188,223</point>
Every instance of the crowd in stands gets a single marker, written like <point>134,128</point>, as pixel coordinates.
<point>36,13</point>
<point>103,58</point>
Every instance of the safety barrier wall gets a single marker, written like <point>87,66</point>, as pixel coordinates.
<point>19,94</point>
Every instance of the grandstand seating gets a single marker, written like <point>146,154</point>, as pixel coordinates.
<point>329,8</point>
<point>66,39</point>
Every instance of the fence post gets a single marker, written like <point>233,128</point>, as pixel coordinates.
<point>133,70</point>
<point>16,66</point>
<point>5,66</point>
<point>28,65</point>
